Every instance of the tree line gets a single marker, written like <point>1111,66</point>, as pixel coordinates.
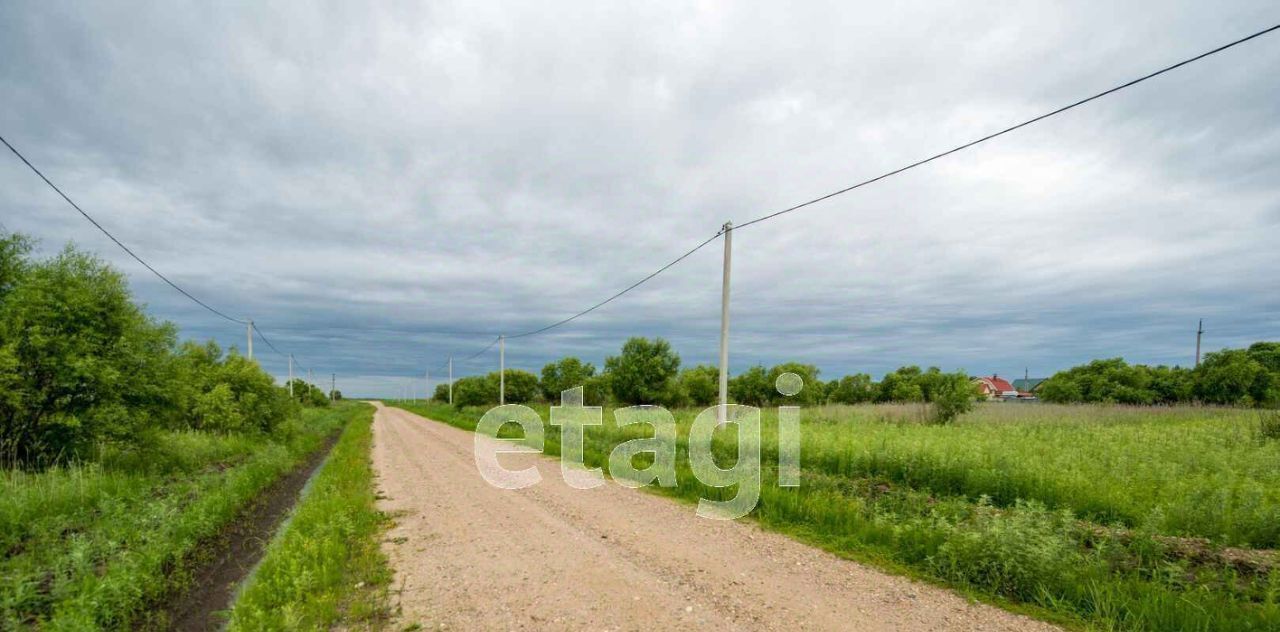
<point>648,372</point>
<point>1232,377</point>
<point>81,363</point>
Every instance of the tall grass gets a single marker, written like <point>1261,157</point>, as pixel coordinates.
<point>97,545</point>
<point>326,567</point>
<point>882,489</point>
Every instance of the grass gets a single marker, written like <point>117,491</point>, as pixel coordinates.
<point>1063,510</point>
<point>326,567</point>
<point>99,545</point>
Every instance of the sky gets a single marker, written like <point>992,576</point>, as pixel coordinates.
<point>382,187</point>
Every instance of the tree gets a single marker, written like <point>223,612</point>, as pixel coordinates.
<point>700,385</point>
<point>14,249</point>
<point>853,389</point>
<point>644,372</point>
<point>751,387</point>
<point>901,386</point>
<point>79,361</point>
<point>564,374</point>
<point>1267,354</point>
<point>811,392</point>
<point>1233,376</point>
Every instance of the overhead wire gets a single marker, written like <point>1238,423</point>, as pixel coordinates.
<point>897,171</point>
<point>117,241</point>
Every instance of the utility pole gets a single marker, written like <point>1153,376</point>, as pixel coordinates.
<point>311,379</point>
<point>290,375</point>
<point>249,330</point>
<point>502,370</point>
<point>333,384</point>
<point>1199,333</point>
<point>722,410</point>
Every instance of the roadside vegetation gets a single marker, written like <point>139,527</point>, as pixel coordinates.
<point>1119,518</point>
<point>100,544</point>
<point>326,566</point>
<point>1106,515</point>
<point>123,452</point>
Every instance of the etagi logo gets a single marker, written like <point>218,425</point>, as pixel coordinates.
<point>573,418</point>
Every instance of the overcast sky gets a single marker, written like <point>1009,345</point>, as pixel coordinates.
<point>359,179</point>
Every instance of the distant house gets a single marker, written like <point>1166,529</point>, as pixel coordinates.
<point>995,387</point>
<point>1028,387</point>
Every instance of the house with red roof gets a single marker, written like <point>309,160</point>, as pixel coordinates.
<point>995,387</point>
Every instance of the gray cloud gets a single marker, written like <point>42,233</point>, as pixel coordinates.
<point>358,178</point>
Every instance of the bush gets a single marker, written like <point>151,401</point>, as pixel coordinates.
<point>79,361</point>
<point>564,374</point>
<point>700,385</point>
<point>952,395</point>
<point>751,387</point>
<point>81,364</point>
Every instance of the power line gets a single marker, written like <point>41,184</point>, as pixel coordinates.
<point>135,255</point>
<point>624,291</point>
<point>901,170</point>
<point>113,237</point>
<point>1011,128</point>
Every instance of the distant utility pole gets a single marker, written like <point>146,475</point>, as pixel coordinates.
<point>249,329</point>
<point>290,375</point>
<point>502,370</point>
<point>1199,333</point>
<point>333,384</point>
<point>311,378</point>
<point>450,380</point>
<point>722,410</point>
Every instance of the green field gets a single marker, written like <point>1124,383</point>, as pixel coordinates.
<point>1105,517</point>
<point>100,545</point>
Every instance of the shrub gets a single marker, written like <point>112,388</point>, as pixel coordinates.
<point>700,384</point>
<point>751,387</point>
<point>952,395</point>
<point>564,374</point>
<point>80,362</point>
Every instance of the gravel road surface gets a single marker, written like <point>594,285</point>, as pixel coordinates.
<point>473,557</point>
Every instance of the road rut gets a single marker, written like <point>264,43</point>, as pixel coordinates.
<point>469,556</point>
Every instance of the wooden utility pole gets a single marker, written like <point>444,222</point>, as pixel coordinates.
<point>502,370</point>
<point>249,331</point>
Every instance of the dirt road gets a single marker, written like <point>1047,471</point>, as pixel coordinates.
<point>550,557</point>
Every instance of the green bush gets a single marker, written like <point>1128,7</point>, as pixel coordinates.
<point>82,365</point>
<point>951,395</point>
<point>700,384</point>
<point>79,361</point>
<point>564,374</point>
